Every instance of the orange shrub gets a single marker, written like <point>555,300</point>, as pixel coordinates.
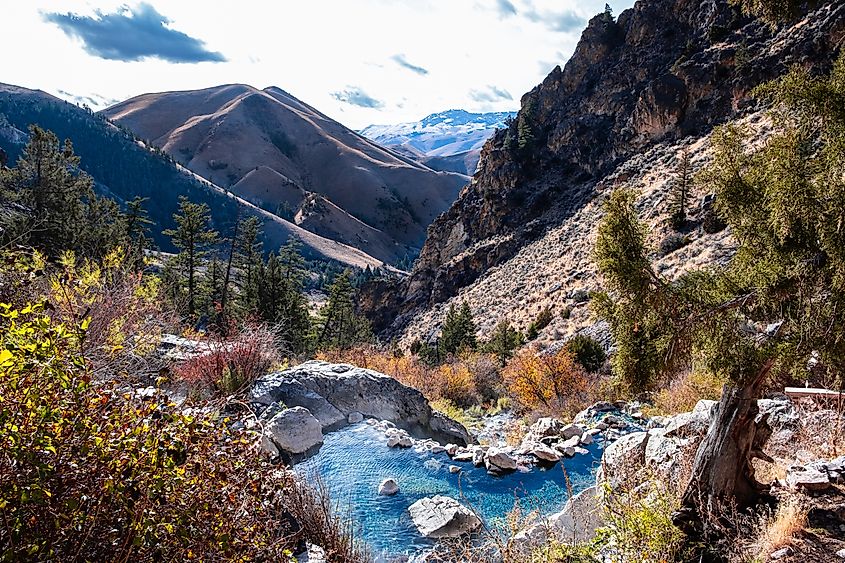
<point>553,384</point>
<point>471,379</point>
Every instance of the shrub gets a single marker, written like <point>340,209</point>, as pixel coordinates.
<point>671,243</point>
<point>544,318</point>
<point>554,383</point>
<point>638,524</point>
<point>686,390</point>
<point>89,473</point>
<point>230,364</point>
<point>587,352</point>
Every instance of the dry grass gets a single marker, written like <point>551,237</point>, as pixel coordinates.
<point>684,391</point>
<point>777,530</point>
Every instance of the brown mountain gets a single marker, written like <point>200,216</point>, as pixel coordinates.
<point>637,89</point>
<point>285,156</point>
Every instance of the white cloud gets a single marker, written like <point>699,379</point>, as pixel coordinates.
<point>315,49</point>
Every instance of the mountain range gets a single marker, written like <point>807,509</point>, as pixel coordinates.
<point>123,167</point>
<point>283,155</point>
<point>449,140</point>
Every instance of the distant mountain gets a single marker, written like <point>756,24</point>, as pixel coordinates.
<point>123,167</point>
<point>288,158</point>
<point>450,140</point>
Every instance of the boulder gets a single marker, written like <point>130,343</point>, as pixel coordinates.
<point>398,438</point>
<point>570,442</point>
<point>587,439</point>
<point>292,431</point>
<point>354,417</point>
<point>571,430</point>
<point>478,454</point>
<point>334,391</point>
<point>442,517</point>
<point>580,517</point>
<point>499,458</point>
<point>809,478</point>
<point>623,457</point>
<point>781,412</point>
<point>544,453</point>
<point>464,454</point>
<point>544,427</point>
<point>388,487</point>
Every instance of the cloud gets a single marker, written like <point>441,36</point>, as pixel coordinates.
<point>403,62</point>
<point>564,21</point>
<point>92,100</point>
<point>354,96</point>
<point>133,34</point>
<point>490,94</point>
<point>505,8</point>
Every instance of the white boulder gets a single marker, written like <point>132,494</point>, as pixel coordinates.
<point>498,458</point>
<point>292,431</point>
<point>442,517</point>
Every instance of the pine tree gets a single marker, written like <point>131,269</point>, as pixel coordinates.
<point>280,297</point>
<point>338,325</point>
<point>680,192</point>
<point>248,260</point>
<point>525,132</point>
<point>458,331</point>
<point>194,237</point>
<point>503,342</point>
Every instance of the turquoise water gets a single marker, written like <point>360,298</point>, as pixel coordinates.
<point>354,460</point>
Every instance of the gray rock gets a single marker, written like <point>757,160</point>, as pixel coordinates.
<point>500,459</point>
<point>570,442</point>
<point>463,454</point>
<point>333,391</point>
<point>544,453</point>
<point>354,417</point>
<point>809,478</point>
<point>571,430</point>
<point>388,487</point>
<point>292,431</point>
<point>398,438</point>
<point>454,469</point>
<point>580,517</point>
<point>781,412</point>
<point>442,517</point>
<point>621,456</point>
<point>841,553</point>
<point>587,439</point>
<point>544,427</point>
<point>478,456</point>
<point>781,553</point>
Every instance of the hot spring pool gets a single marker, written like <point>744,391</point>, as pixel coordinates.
<point>354,460</point>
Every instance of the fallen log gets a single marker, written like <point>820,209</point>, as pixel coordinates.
<point>798,392</point>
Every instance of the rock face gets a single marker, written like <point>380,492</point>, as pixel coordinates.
<point>662,71</point>
<point>293,430</point>
<point>442,517</point>
<point>331,392</point>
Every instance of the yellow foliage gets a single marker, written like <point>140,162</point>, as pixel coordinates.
<point>552,383</point>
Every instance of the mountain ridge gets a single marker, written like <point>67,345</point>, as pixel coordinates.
<point>224,133</point>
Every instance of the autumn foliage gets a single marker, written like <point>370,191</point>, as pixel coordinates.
<point>551,383</point>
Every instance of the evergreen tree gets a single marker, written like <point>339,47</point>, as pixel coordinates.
<point>66,213</point>
<point>503,342</point>
<point>338,325</point>
<point>680,192</point>
<point>248,260</point>
<point>280,297</point>
<point>194,237</point>
<point>458,331</point>
<point>525,132</point>
<point>137,228</point>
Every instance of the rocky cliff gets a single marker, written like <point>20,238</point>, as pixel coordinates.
<point>661,75</point>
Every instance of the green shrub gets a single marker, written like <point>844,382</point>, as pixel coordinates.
<point>588,352</point>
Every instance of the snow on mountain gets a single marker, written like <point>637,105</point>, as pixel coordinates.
<point>439,136</point>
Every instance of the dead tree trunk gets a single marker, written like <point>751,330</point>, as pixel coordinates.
<point>723,477</point>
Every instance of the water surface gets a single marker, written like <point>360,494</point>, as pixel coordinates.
<point>354,460</point>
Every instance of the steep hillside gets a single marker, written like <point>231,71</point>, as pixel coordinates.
<point>665,71</point>
<point>449,141</point>
<point>123,168</point>
<point>276,151</point>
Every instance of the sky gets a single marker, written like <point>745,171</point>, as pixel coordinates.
<point>361,62</point>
